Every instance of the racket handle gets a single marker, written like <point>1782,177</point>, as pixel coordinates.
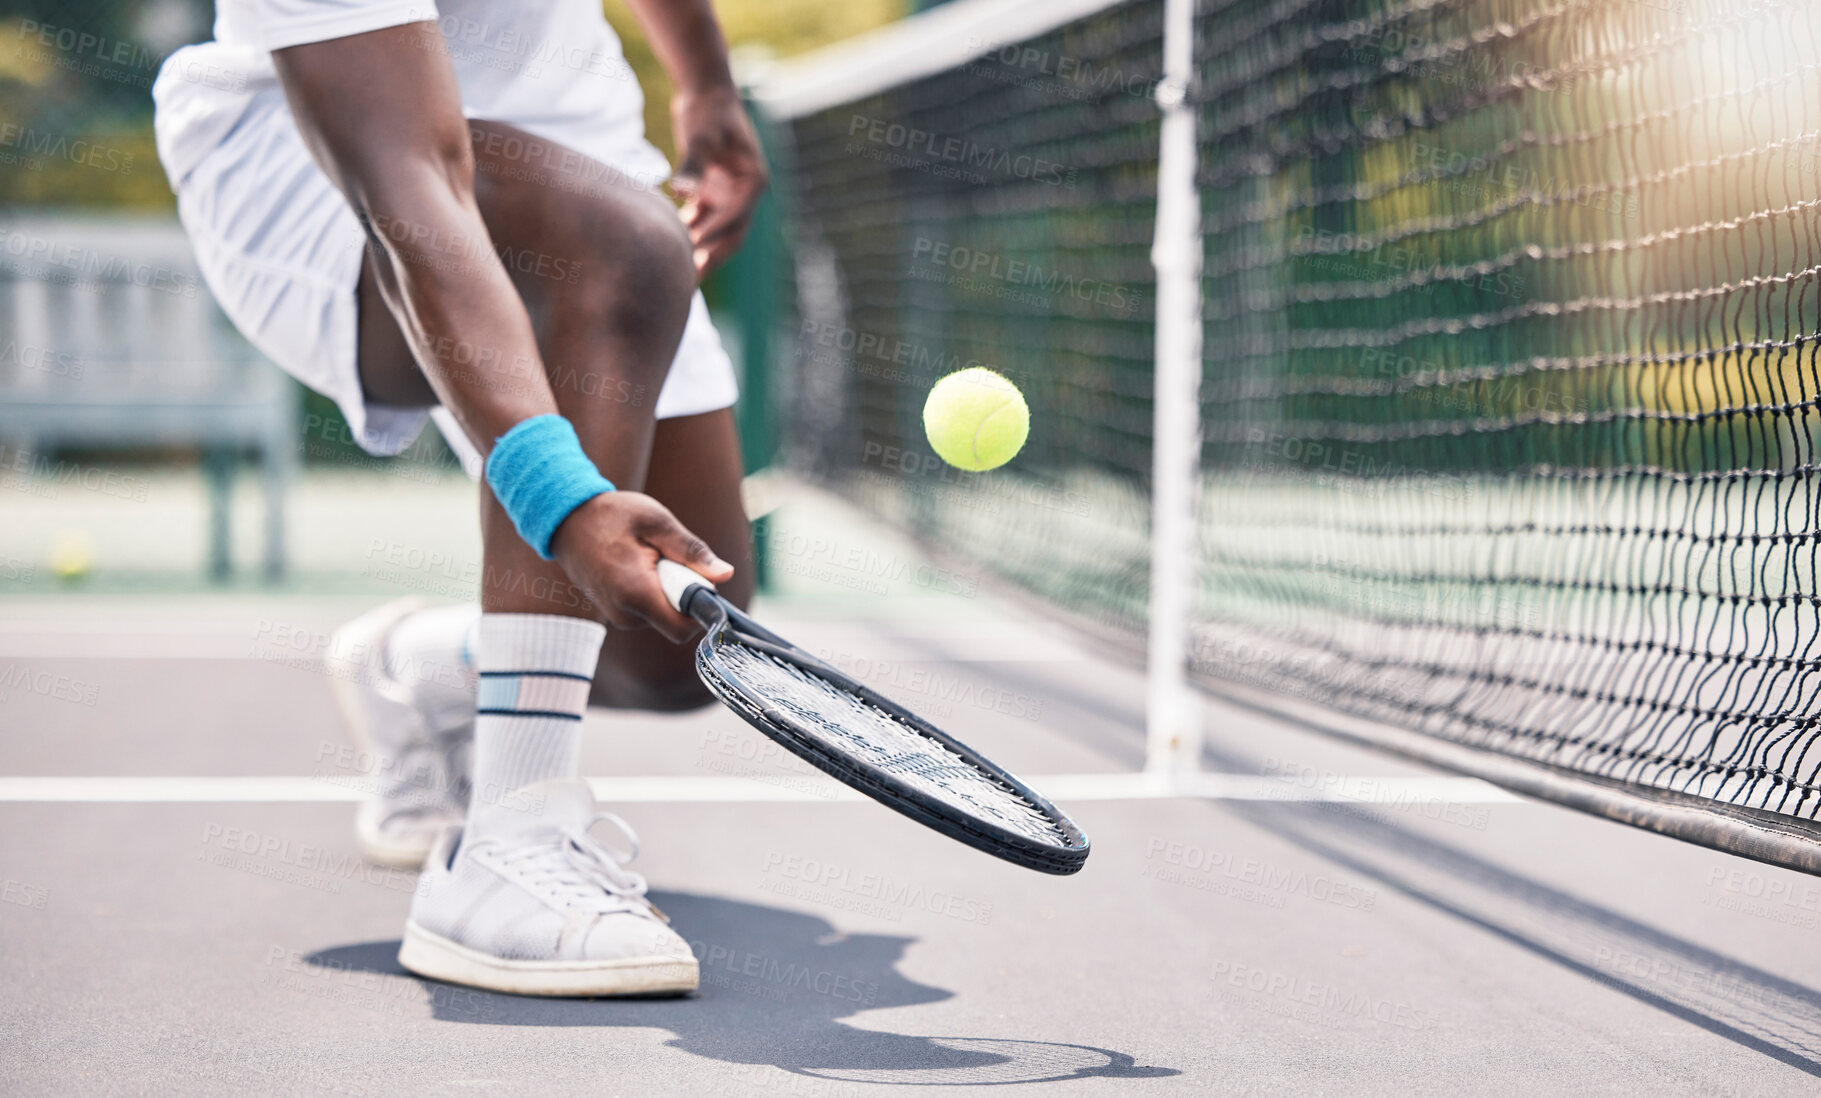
<point>678,581</point>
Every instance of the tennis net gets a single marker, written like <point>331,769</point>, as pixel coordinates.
<point>999,214</point>
<point>1508,399</point>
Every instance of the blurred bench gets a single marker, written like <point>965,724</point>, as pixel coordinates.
<point>109,339</point>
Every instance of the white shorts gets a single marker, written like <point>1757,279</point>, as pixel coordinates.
<point>281,249</point>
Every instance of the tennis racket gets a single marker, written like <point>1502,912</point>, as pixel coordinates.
<point>856,736</point>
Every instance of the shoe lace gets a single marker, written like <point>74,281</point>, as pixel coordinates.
<point>571,867</point>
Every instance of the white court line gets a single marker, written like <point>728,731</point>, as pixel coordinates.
<point>114,645</point>
<point>703,789</point>
<point>960,644</point>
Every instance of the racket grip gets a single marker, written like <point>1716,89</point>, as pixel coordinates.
<point>678,580</point>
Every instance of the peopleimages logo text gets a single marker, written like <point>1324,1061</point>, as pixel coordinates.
<point>1081,73</point>
<point>975,263</point>
<point>58,147</point>
<point>957,150</point>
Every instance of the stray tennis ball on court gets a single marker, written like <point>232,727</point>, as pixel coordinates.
<point>976,420</point>
<point>71,555</point>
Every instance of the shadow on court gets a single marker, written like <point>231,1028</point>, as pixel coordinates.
<point>1740,1002</point>
<point>775,986</point>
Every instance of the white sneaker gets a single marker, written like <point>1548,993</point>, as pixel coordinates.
<point>523,900</point>
<point>422,771</point>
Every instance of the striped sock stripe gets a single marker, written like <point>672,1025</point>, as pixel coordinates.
<point>551,674</point>
<point>533,693</point>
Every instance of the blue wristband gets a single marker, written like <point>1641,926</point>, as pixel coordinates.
<point>539,474</point>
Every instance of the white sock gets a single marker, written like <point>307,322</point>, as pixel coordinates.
<point>535,671</point>
<point>432,651</point>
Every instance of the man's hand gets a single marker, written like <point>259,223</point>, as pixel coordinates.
<point>610,547</point>
<point>722,174</point>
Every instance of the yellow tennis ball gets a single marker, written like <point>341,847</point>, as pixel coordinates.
<point>976,420</point>
<point>72,554</point>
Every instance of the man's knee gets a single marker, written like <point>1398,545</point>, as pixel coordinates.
<point>605,254</point>
<point>637,265</point>
<point>628,278</point>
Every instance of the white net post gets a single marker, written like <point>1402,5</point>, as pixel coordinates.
<point>1173,715</point>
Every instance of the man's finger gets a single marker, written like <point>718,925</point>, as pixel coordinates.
<point>712,251</point>
<point>725,228</point>
<point>718,223</point>
<point>689,173</point>
<point>659,529</point>
<point>707,259</point>
<point>700,216</point>
<point>672,540</point>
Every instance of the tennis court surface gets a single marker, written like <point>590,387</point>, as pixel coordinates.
<point>1323,921</point>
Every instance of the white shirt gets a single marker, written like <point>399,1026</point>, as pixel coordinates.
<point>551,67</point>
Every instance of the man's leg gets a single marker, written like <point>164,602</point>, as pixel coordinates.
<point>607,279</point>
<point>595,264</point>
<point>521,898</point>
<point>605,272</point>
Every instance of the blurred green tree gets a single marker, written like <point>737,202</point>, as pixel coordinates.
<point>76,77</point>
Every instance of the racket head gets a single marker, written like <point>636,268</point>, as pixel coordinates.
<point>872,744</point>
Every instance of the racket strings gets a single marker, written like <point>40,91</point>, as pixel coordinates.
<point>848,725</point>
